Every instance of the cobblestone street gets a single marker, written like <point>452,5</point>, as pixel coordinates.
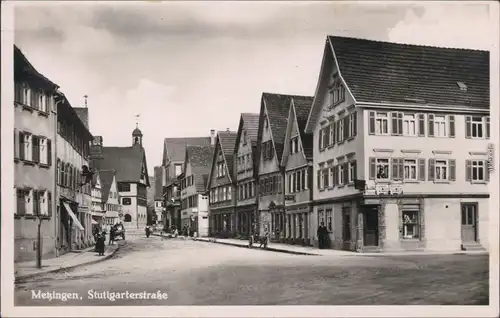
<point>198,273</point>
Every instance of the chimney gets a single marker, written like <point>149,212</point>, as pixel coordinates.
<point>212,137</point>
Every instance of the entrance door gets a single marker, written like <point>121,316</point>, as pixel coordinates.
<point>469,222</point>
<point>371,226</point>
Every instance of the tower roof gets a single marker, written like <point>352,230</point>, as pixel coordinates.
<point>137,132</point>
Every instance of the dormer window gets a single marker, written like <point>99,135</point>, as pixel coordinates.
<point>462,86</point>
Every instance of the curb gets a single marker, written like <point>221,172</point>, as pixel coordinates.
<point>270,249</point>
<point>21,279</point>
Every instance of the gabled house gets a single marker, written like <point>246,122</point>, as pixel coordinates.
<point>193,184</point>
<point>97,212</point>
<point>274,114</point>
<point>110,197</point>
<point>131,175</point>
<point>220,186</point>
<point>297,160</point>
<point>245,173</point>
<point>401,144</point>
<point>174,152</point>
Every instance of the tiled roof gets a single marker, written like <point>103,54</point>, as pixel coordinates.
<point>83,114</point>
<point>200,158</point>
<point>401,73</point>
<point>302,108</point>
<point>278,107</point>
<point>23,66</point>
<point>175,148</point>
<point>106,177</point>
<point>126,161</point>
<point>252,125</point>
<point>158,185</point>
<point>227,140</point>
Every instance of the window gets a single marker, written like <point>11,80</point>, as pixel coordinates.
<point>42,102</point>
<point>229,193</point>
<point>329,224</point>
<point>321,217</point>
<point>410,169</point>
<point>410,224</point>
<point>126,201</point>
<point>28,201</point>
<point>26,95</point>
<point>337,93</point>
<point>352,171</point>
<point>440,126</point>
<point>478,170</point>
<point>42,144</point>
<point>320,176</point>
<point>409,125</point>
<point>124,187</point>
<point>441,170</point>
<point>340,133</point>
<point>294,145</point>
<point>352,125</point>
<point>340,176</point>
<point>28,147</point>
<point>178,169</point>
<point>381,124</point>
<point>43,202</point>
<point>382,166</point>
<point>477,127</point>
<point>244,137</point>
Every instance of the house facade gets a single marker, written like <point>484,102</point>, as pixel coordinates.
<point>298,160</point>
<point>174,151</point>
<point>274,114</point>
<point>74,199</point>
<point>97,211</point>
<point>131,176</point>
<point>403,166</point>
<point>35,117</point>
<point>110,198</point>
<point>245,173</point>
<point>221,188</point>
<point>193,184</point>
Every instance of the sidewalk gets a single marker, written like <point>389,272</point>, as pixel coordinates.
<point>70,260</point>
<point>306,250</point>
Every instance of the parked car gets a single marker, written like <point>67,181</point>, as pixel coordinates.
<point>120,231</point>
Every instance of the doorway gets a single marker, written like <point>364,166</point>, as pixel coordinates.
<point>469,222</point>
<point>370,229</point>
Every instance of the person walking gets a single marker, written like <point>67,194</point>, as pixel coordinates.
<point>112,232</point>
<point>99,245</point>
<point>322,235</point>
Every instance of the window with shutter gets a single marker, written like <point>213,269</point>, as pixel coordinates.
<point>394,123</point>
<point>22,148</point>
<point>16,143</point>
<point>431,169</point>
<point>372,168</point>
<point>371,123</point>
<point>354,124</point>
<point>452,168</point>
<point>21,202</point>
<point>421,169</point>
<point>468,126</point>
<point>487,124</point>
<point>400,123</point>
<point>35,140</point>
<point>401,167</point>
<point>451,119</point>
<point>49,203</point>
<point>345,167</point>
<point>318,177</point>
<point>394,168</point>
<point>430,125</point>
<point>421,125</point>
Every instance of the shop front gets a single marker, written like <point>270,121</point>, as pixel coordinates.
<point>246,221</point>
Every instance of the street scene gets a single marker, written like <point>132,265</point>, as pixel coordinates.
<point>252,153</point>
<point>200,273</point>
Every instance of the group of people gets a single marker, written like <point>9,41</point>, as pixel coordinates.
<point>100,238</point>
<point>323,238</point>
<point>263,240</point>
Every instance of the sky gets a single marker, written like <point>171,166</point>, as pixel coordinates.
<point>189,67</point>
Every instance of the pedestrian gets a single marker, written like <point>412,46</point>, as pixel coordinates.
<point>322,235</point>
<point>112,232</point>
<point>250,240</point>
<point>264,239</point>
<point>99,245</point>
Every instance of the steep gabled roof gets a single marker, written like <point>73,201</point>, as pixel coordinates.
<point>302,108</point>
<point>401,73</point>
<point>226,142</point>
<point>126,161</point>
<point>278,108</point>
<point>252,125</point>
<point>158,185</point>
<point>200,159</point>
<point>106,177</point>
<point>174,148</point>
<point>23,67</point>
<point>404,74</point>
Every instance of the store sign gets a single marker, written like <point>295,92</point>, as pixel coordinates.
<point>491,157</point>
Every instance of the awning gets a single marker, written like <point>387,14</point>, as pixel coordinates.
<point>94,221</point>
<point>73,216</point>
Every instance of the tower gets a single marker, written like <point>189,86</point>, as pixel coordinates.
<point>137,134</point>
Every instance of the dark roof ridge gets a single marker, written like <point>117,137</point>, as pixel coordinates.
<point>408,44</point>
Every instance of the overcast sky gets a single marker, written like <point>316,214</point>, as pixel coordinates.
<point>189,67</point>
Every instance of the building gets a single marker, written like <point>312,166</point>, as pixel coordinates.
<point>97,211</point>
<point>410,151</point>
<point>245,173</point>
<point>193,185</point>
<point>131,176</point>
<point>220,186</point>
<point>74,200</point>
<point>274,113</point>
<point>297,160</point>
<point>159,204</point>
<point>110,197</point>
<point>34,160</point>
<point>174,152</point>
